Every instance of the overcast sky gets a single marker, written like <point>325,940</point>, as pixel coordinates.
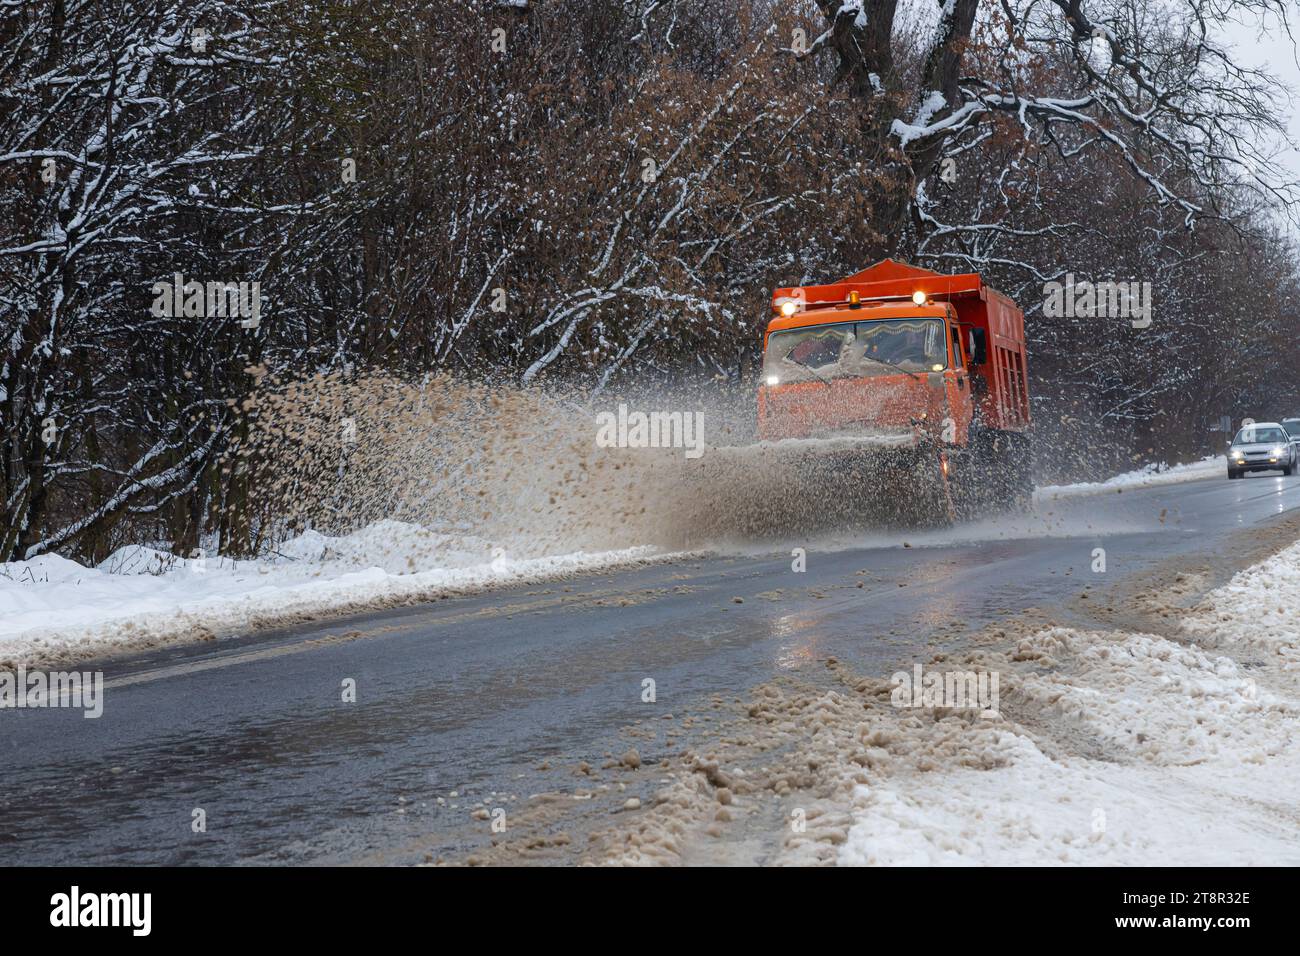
<point>1265,44</point>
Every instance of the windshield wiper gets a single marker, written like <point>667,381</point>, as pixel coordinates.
<point>809,368</point>
<point>872,358</point>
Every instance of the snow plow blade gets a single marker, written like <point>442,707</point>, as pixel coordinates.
<point>810,486</point>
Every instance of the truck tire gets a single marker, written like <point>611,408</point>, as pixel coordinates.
<point>1233,473</point>
<point>1016,466</point>
<point>998,475</point>
<point>1023,499</point>
<point>928,501</point>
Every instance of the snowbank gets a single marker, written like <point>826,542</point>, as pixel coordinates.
<point>1196,761</point>
<point>53,609</point>
<point>1133,749</point>
<point>1258,609</point>
<point>1214,466</point>
<point>1039,811</point>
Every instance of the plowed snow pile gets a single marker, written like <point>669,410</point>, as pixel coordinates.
<point>1192,763</point>
<point>1134,750</point>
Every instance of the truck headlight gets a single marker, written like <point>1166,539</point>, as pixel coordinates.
<point>774,380</point>
<point>1278,452</point>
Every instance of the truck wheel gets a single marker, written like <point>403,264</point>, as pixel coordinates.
<point>1003,472</point>
<point>1020,466</point>
<point>1233,473</point>
<point>929,502</point>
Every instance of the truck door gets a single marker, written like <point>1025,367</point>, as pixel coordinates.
<point>958,384</point>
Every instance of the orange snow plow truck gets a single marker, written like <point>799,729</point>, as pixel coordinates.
<point>910,382</point>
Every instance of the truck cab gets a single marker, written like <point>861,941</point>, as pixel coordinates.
<point>892,351</point>
<point>864,369</point>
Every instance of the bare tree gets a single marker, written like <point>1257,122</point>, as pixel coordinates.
<point>1149,82</point>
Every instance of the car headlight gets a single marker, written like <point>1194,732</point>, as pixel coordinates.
<point>1238,453</point>
<point>1278,452</point>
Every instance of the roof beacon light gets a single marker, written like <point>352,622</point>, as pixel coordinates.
<point>854,298</point>
<point>789,307</point>
<point>918,297</point>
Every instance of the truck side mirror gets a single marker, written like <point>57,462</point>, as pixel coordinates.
<point>978,347</point>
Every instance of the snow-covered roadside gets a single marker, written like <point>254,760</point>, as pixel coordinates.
<point>1259,609</point>
<point>1139,750</point>
<point>1214,466</point>
<point>56,610</point>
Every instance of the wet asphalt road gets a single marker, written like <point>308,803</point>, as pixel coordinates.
<point>471,693</point>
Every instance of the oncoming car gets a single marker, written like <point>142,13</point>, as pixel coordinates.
<point>1263,446</point>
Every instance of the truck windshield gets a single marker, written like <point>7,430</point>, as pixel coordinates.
<point>879,347</point>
